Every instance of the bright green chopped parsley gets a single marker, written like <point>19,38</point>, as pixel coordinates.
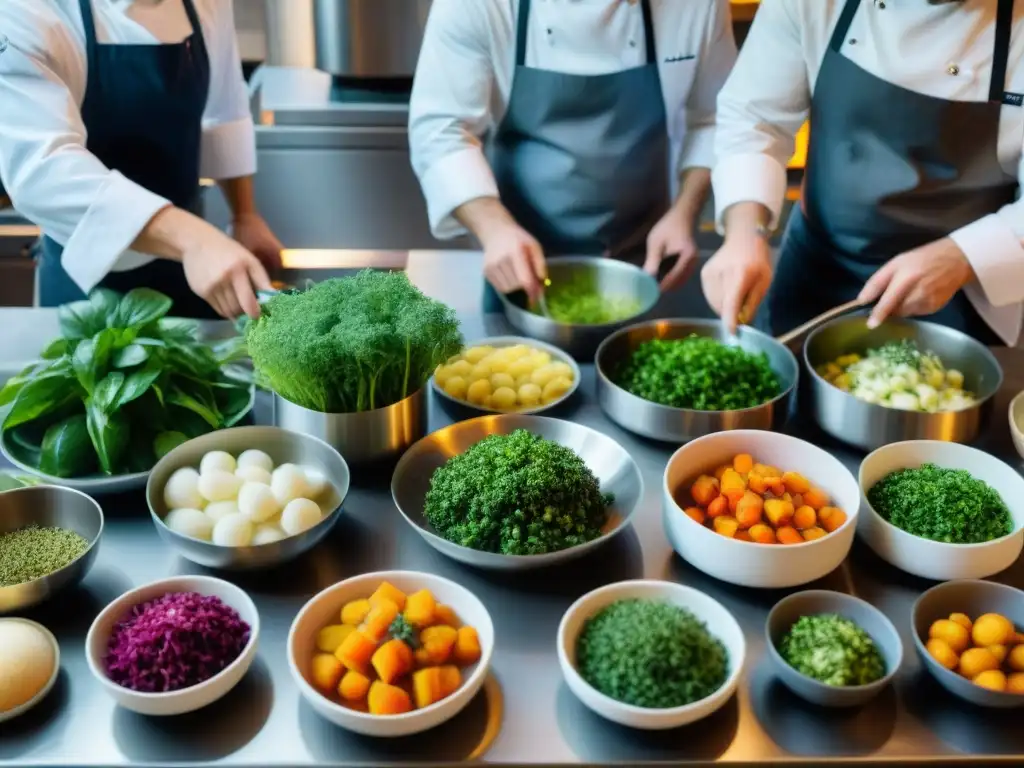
<point>832,650</point>
<point>578,301</point>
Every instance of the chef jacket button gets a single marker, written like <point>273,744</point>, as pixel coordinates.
<point>952,69</point>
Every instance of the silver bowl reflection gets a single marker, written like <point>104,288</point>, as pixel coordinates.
<point>612,278</point>
<point>870,426</point>
<point>283,447</point>
<point>366,437</point>
<point>49,506</point>
<point>677,425</point>
<point>615,469</point>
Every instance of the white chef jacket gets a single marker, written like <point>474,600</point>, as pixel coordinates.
<point>942,50</point>
<point>94,212</point>
<point>467,61</point>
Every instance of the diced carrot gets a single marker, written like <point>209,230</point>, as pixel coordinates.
<point>776,486</point>
<point>427,686</point>
<point>445,614</point>
<point>442,635</point>
<point>742,536</point>
<point>467,647</point>
<point>831,518</point>
<point>704,490</point>
<point>748,510</point>
<point>795,482</point>
<point>355,611</point>
<point>377,622</point>
<point>732,481</point>
<point>815,498</point>
<point>797,499</point>
<point>354,686</point>
<point>384,699</point>
<point>789,535</point>
<point>326,671</point>
<point>451,679</point>
<point>392,660</point>
<point>762,534</point>
<point>779,512</point>
<point>733,495</point>
<point>695,513</point>
<point>766,470</point>
<point>814,533</point>
<point>757,483</point>
<point>719,506</point>
<point>743,463</point>
<point>388,592</point>
<point>721,471</point>
<point>419,608</point>
<point>726,525</point>
<point>355,652</point>
<point>804,518</point>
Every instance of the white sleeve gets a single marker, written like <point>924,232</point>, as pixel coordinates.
<point>714,62</point>
<point>449,112</point>
<point>764,103</point>
<point>51,178</point>
<point>229,136</point>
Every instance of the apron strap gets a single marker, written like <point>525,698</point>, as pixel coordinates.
<point>1001,51</point>
<point>843,25</point>
<point>89,26</point>
<point>523,22</point>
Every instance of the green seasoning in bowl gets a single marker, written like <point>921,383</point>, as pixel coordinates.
<point>578,301</point>
<point>698,373</point>
<point>650,654</point>
<point>947,505</point>
<point>33,552</point>
<point>833,651</point>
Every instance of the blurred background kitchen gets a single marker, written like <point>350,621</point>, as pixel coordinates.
<point>329,84</point>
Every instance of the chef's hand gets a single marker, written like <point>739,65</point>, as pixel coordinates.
<point>252,231</point>
<point>513,259</point>
<point>225,274</point>
<point>918,282</point>
<point>737,277</point>
<point>672,235</point>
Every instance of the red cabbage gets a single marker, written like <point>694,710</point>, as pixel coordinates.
<point>174,642</point>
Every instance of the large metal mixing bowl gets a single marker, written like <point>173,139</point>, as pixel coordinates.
<point>870,426</point>
<point>49,506</point>
<point>612,278</point>
<point>615,469</point>
<point>677,425</point>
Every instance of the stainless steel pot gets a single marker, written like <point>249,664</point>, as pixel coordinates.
<point>369,38</point>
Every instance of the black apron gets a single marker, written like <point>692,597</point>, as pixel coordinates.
<point>582,161</point>
<point>888,170</point>
<point>143,111</point>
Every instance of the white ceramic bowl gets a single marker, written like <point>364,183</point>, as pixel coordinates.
<point>45,690</point>
<point>937,560</point>
<point>1016,413</point>
<point>720,623</point>
<point>742,562</point>
<point>325,607</point>
<point>187,699</point>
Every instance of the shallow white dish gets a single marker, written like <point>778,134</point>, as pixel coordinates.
<point>938,560</point>
<point>45,690</point>
<point>720,623</point>
<point>325,607</point>
<point>746,563</point>
<point>187,699</point>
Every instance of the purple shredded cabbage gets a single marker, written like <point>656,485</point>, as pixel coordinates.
<point>174,642</point>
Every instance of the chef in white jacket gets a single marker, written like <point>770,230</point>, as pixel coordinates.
<point>552,127</point>
<point>910,197</point>
<point>110,112</point>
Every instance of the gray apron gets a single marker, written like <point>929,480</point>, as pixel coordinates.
<point>888,170</point>
<point>582,161</point>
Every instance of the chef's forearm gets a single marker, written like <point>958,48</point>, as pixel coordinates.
<point>484,217</point>
<point>744,220</point>
<point>172,233</point>
<point>693,192</point>
<point>240,195</point>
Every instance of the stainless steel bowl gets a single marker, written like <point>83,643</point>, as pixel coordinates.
<point>283,447</point>
<point>614,279</point>
<point>49,506</point>
<point>871,426</point>
<point>615,469</point>
<point>367,437</point>
<point>677,425</point>
<point>499,342</point>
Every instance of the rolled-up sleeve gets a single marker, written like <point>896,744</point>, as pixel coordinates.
<point>992,245</point>
<point>449,112</point>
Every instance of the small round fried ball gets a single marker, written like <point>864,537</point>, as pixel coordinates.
<point>456,386</point>
<point>992,679</point>
<point>962,619</point>
<point>556,388</point>
<point>479,391</point>
<point>942,653</point>
<point>529,395</point>
<point>474,355</point>
<point>953,633</point>
<point>999,651</point>
<point>460,368</point>
<point>1015,683</point>
<point>974,661</point>
<point>993,629</point>
<point>499,380</point>
<point>503,399</point>
<point>1015,658</point>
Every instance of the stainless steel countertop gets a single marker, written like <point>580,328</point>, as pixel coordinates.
<point>527,708</point>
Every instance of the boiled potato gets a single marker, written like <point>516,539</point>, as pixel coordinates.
<point>521,380</point>
<point>561,369</point>
<point>456,386</point>
<point>503,399</point>
<point>539,358</point>
<point>441,375</point>
<point>460,368</point>
<point>498,364</point>
<point>499,380</point>
<point>952,632</point>
<point>475,354</point>
<point>542,376</point>
<point>555,389</point>
<point>519,368</point>
<point>517,352</point>
<point>529,395</point>
<point>479,391</point>
<point>481,370</point>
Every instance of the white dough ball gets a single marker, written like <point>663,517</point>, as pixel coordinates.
<point>258,502</point>
<point>300,515</point>
<point>288,482</point>
<point>255,458</point>
<point>316,481</point>
<point>267,533</point>
<point>190,522</point>
<point>182,490</point>
<point>221,460</point>
<point>253,474</point>
<point>233,531</point>
<point>219,509</point>
<point>218,485</point>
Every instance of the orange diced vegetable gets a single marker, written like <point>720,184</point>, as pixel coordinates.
<point>766,470</point>
<point>419,608</point>
<point>718,506</point>
<point>329,638</point>
<point>431,654</point>
<point>451,679</point>
<point>795,482</point>
<point>748,510</point>
<point>384,699</point>
<point>388,592</point>
<point>757,483</point>
<point>355,611</point>
<point>441,635</point>
<point>762,534</point>
<point>379,619</point>
<point>445,614</point>
<point>831,518</point>
<point>732,481</point>
<point>804,518</point>
<point>742,536</point>
<point>797,499</point>
<point>704,490</point>
<point>696,513</point>
<point>743,463</point>
<point>775,486</point>
<point>779,512</point>
<point>427,686</point>
<point>815,498</point>
<point>326,672</point>
<point>789,535</point>
<point>814,533</point>
<point>392,660</point>
<point>733,495</point>
<point>721,471</point>
<point>467,647</point>
<point>726,526</point>
<point>356,651</point>
<point>354,686</point>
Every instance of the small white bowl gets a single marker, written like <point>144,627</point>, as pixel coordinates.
<point>1016,414</point>
<point>745,563</point>
<point>938,560</point>
<point>187,699</point>
<point>45,690</point>
<point>325,607</point>
<point>720,623</point>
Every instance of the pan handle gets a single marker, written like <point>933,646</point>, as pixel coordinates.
<point>824,317</point>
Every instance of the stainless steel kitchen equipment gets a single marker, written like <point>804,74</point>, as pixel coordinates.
<point>369,38</point>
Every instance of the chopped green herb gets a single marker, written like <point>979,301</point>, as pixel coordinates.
<point>578,301</point>
<point>940,504</point>
<point>401,629</point>
<point>832,650</point>
<point>33,552</point>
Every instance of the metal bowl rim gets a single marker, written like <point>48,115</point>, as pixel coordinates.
<point>511,341</point>
<point>551,556</point>
<point>979,402</point>
<point>418,393</point>
<point>606,380</point>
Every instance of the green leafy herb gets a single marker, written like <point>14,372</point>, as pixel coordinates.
<point>352,344</point>
<point>578,300</point>
<point>832,650</point>
<point>698,373</point>
<point>516,494</point>
<point>401,629</point>
<point>650,654</point>
<point>940,504</point>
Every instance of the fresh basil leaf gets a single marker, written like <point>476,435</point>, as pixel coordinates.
<point>133,354</point>
<point>14,384</point>
<point>137,384</point>
<point>67,450</point>
<point>105,302</point>
<point>195,360</point>
<point>41,396</point>
<point>233,403</point>
<point>55,349</point>
<point>81,320</point>
<point>140,306</point>
<point>109,433</point>
<point>149,341</point>
<point>178,330</point>
<point>108,391</point>
<point>166,442</point>
<point>92,358</point>
<point>230,350</point>
<point>182,399</point>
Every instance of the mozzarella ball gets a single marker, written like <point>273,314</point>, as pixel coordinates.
<point>190,522</point>
<point>257,502</point>
<point>300,515</point>
<point>256,458</point>
<point>217,460</point>
<point>267,533</point>
<point>253,474</point>
<point>218,485</point>
<point>219,509</point>
<point>182,490</point>
<point>316,481</point>
<point>233,531</point>
<point>288,482</point>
